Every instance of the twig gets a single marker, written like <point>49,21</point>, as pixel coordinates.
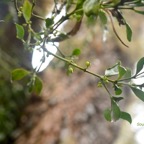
<point>115,29</point>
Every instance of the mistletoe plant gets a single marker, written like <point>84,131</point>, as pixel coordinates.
<point>117,76</point>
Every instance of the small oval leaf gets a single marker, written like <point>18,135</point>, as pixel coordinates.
<point>107,114</point>
<point>19,31</point>
<point>115,111</point>
<point>129,32</point>
<point>49,22</point>
<point>76,52</point>
<point>117,89</point>
<point>18,74</point>
<point>126,116</point>
<point>27,10</point>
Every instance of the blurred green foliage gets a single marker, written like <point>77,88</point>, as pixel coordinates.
<point>12,101</point>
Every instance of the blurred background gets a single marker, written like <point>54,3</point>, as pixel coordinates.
<point>70,108</point>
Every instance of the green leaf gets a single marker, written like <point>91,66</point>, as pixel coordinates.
<point>49,22</point>
<point>103,17</point>
<point>18,74</point>
<point>139,93</point>
<point>36,85</point>
<point>140,65</point>
<point>122,70</point>
<point>126,116</point>
<point>79,4</point>
<point>91,7</point>
<point>117,69</point>
<point>27,9</point>
<point>112,70</point>
<point>129,32</point>
<point>117,99</point>
<point>107,114</point>
<point>140,12</point>
<point>117,89</point>
<point>19,31</point>
<point>115,111</point>
<point>128,74</point>
<point>76,52</point>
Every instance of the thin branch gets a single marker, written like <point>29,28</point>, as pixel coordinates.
<point>106,88</point>
<point>16,6</point>
<point>114,28</point>
<point>59,50</point>
<point>37,16</point>
<point>72,63</point>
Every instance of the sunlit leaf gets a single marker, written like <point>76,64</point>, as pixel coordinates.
<point>112,71</point>
<point>18,74</point>
<point>117,69</point>
<point>126,116</point>
<point>19,31</point>
<point>140,65</point>
<point>122,70</point>
<point>107,114</point>
<point>27,9</point>
<point>129,32</point>
<point>139,93</point>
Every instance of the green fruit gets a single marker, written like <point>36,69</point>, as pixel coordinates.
<point>88,64</point>
<point>91,7</point>
<point>70,70</point>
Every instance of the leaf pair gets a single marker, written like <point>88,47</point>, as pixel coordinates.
<point>115,113</point>
<point>35,84</point>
